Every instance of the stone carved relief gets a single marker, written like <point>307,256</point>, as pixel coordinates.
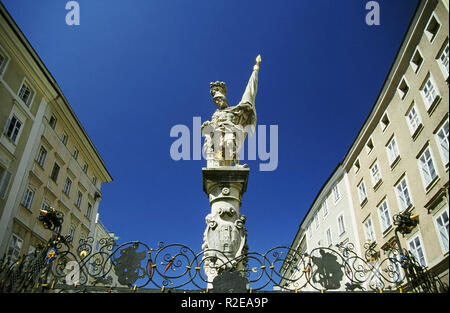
<point>225,232</point>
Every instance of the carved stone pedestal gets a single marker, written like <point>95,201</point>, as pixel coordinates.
<point>225,237</point>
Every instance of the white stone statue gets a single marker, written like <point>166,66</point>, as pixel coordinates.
<point>226,132</point>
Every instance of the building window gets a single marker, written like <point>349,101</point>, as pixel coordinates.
<point>64,138</point>
<point>376,174</point>
<point>403,89</point>
<point>427,167</point>
<point>442,228</point>
<point>416,61</point>
<point>79,199</point>
<point>429,92</point>
<point>414,120</point>
<point>329,239</point>
<point>55,172</point>
<point>75,153</point>
<point>28,198</point>
<point>385,218</point>
<point>403,195</point>
<point>42,155</point>
<point>368,230</point>
<point>309,231</point>
<point>432,28</point>
<point>443,61</point>
<point>324,208</point>
<point>316,220</point>
<point>45,206</point>
<point>369,146</point>
<point>415,246</point>
<point>88,211</point>
<point>85,168</point>
<point>357,166</point>
<point>384,122</point>
<point>15,246</point>
<point>71,233</point>
<point>5,177</point>
<point>94,180</point>
<point>341,225</point>
<point>442,137</point>
<point>392,151</point>
<point>52,121</point>
<point>336,193</point>
<point>12,128</point>
<point>67,186</point>
<point>25,94</point>
<point>3,61</point>
<point>362,192</point>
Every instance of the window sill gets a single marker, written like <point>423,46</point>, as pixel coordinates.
<point>364,202</point>
<point>387,231</point>
<point>378,184</point>
<point>395,162</point>
<point>408,209</point>
<point>417,132</point>
<point>434,105</point>
<point>8,143</point>
<point>432,184</point>
<point>25,207</point>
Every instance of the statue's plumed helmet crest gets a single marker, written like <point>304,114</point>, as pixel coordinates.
<point>217,87</point>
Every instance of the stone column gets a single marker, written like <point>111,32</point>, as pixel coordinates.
<point>225,237</point>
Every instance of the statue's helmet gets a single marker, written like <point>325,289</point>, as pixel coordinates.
<point>218,88</point>
<point>218,91</point>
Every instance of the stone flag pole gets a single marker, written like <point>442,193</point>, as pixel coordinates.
<point>225,180</point>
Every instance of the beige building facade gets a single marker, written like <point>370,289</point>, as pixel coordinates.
<point>399,161</point>
<point>46,157</point>
<point>330,222</point>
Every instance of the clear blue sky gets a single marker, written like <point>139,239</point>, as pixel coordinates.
<point>133,69</point>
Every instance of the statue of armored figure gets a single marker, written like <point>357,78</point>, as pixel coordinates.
<point>226,132</point>
<point>225,237</point>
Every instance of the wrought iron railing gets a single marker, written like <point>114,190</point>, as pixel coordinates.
<point>136,266</point>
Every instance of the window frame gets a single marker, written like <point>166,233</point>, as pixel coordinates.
<point>422,247</point>
<point>343,230</point>
<point>88,210</point>
<point>429,106</point>
<point>444,69</point>
<point>444,210</point>
<point>377,173</point>
<point>27,199</point>
<point>18,239</point>
<point>67,186</point>
<point>383,214</point>
<point>29,101</point>
<point>55,179</point>
<point>421,169</point>
<point>336,193</point>
<point>446,138</point>
<point>417,119</point>
<point>6,60</point>
<point>401,208</point>
<point>329,236</point>
<point>41,158</point>
<point>372,233</point>
<point>392,160</point>
<point>432,37</point>
<point>361,183</point>
<point>7,127</point>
